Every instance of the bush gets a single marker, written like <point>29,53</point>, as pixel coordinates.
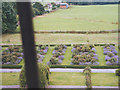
<point>38,9</point>
<point>12,55</point>
<point>9,19</point>
<point>87,72</point>
<point>117,72</point>
<point>53,8</point>
<point>43,76</point>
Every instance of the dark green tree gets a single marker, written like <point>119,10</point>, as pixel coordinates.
<point>9,20</point>
<point>38,9</point>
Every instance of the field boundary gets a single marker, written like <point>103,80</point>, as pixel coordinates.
<point>78,32</point>
<point>73,32</point>
<point>98,44</point>
<point>64,66</point>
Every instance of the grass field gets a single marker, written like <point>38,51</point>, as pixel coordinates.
<point>68,78</point>
<point>80,18</point>
<point>63,38</point>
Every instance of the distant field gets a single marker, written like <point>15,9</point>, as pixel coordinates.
<point>80,18</point>
<point>63,38</point>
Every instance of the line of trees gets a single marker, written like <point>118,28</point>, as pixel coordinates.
<point>10,16</point>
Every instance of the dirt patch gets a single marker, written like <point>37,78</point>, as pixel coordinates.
<point>115,23</point>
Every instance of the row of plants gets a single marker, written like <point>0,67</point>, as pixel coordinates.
<point>12,55</point>
<point>87,73</point>
<point>41,51</point>
<point>84,55</point>
<point>111,57</point>
<point>58,55</point>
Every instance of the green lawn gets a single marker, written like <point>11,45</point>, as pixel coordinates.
<point>48,55</point>
<point>80,18</point>
<point>106,79</point>
<point>101,56</point>
<point>63,38</point>
<point>10,78</point>
<point>68,55</point>
<point>68,78</point>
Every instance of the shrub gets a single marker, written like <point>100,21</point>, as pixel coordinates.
<point>58,53</point>
<point>117,72</point>
<point>53,8</point>
<point>43,76</point>
<point>87,72</point>
<point>9,19</point>
<point>12,55</point>
<point>38,8</point>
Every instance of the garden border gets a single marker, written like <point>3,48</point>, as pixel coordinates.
<point>64,66</point>
<point>99,44</point>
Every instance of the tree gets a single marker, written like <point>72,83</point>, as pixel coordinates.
<point>38,9</point>
<point>9,20</point>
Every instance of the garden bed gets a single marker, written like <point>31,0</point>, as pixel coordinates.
<point>67,59</point>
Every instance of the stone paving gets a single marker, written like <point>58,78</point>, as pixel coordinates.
<point>62,86</point>
<point>66,70</point>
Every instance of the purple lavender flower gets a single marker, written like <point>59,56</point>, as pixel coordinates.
<point>73,50</point>
<point>114,51</point>
<point>45,51</point>
<point>54,52</point>
<point>94,49</point>
<point>60,61</point>
<point>107,58</point>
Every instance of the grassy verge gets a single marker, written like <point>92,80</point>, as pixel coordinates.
<point>48,55</point>
<point>63,38</point>
<point>67,78</point>
<point>101,57</point>
<point>68,55</point>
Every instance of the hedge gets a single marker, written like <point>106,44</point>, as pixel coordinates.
<point>65,66</point>
<point>81,67</point>
<point>117,72</point>
<point>11,66</point>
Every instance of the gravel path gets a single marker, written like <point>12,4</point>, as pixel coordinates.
<point>66,70</point>
<point>62,86</point>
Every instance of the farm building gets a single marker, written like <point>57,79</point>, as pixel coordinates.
<point>63,5</point>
